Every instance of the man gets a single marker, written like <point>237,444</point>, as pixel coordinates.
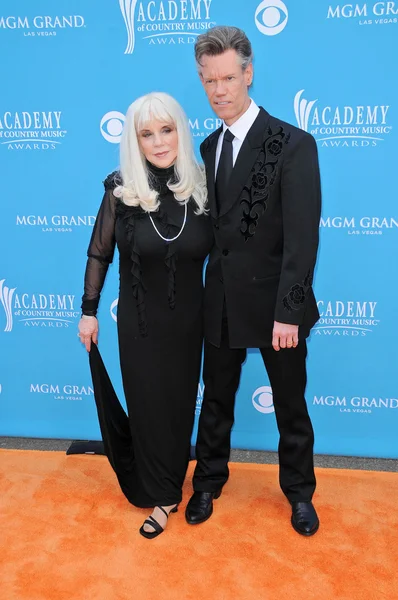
<point>264,201</point>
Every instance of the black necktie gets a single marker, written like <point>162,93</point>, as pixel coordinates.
<point>225,167</point>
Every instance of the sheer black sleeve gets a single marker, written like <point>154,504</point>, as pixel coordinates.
<point>100,251</point>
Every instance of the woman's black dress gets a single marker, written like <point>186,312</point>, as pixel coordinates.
<point>160,338</point>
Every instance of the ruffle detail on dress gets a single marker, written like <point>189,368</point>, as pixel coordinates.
<point>171,265</point>
<point>139,291</point>
<point>129,214</point>
<point>113,180</point>
<point>169,231</point>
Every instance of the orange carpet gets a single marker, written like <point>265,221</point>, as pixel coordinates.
<point>67,533</point>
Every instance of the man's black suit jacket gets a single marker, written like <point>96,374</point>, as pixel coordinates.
<point>266,235</point>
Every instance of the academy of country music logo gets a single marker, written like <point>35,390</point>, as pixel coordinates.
<point>161,22</point>
<point>373,226</point>
<point>350,318</point>
<point>55,223</point>
<point>112,123</point>
<point>343,126</point>
<point>36,130</point>
<point>377,13</point>
<point>356,404</point>
<point>271,17</point>
<point>262,400</point>
<point>67,391</point>
<point>37,310</point>
<point>40,25</point>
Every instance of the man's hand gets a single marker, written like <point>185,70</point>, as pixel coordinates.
<point>284,336</point>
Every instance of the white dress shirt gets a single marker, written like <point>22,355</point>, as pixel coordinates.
<point>240,130</point>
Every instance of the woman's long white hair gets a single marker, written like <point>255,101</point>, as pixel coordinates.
<point>189,176</point>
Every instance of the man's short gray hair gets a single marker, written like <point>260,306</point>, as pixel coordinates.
<point>220,39</point>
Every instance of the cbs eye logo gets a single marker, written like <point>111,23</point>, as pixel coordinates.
<point>271,17</point>
<point>112,126</point>
<point>262,399</point>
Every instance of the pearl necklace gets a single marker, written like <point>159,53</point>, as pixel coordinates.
<point>179,233</point>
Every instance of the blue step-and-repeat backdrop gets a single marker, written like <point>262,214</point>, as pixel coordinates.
<point>70,69</point>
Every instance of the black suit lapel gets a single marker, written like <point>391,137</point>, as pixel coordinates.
<point>209,157</point>
<point>244,162</point>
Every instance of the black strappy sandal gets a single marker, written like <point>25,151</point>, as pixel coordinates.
<point>158,529</point>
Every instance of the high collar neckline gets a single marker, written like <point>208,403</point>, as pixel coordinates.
<point>160,176</point>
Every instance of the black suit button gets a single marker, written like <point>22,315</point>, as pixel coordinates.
<point>216,226</point>
<point>225,252</point>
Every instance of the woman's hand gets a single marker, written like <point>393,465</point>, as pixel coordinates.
<point>88,331</point>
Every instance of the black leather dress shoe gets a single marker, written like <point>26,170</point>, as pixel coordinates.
<point>200,507</point>
<point>304,518</point>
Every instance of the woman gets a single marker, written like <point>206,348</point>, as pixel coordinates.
<point>154,210</point>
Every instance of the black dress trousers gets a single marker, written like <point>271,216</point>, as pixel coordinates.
<point>287,374</point>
